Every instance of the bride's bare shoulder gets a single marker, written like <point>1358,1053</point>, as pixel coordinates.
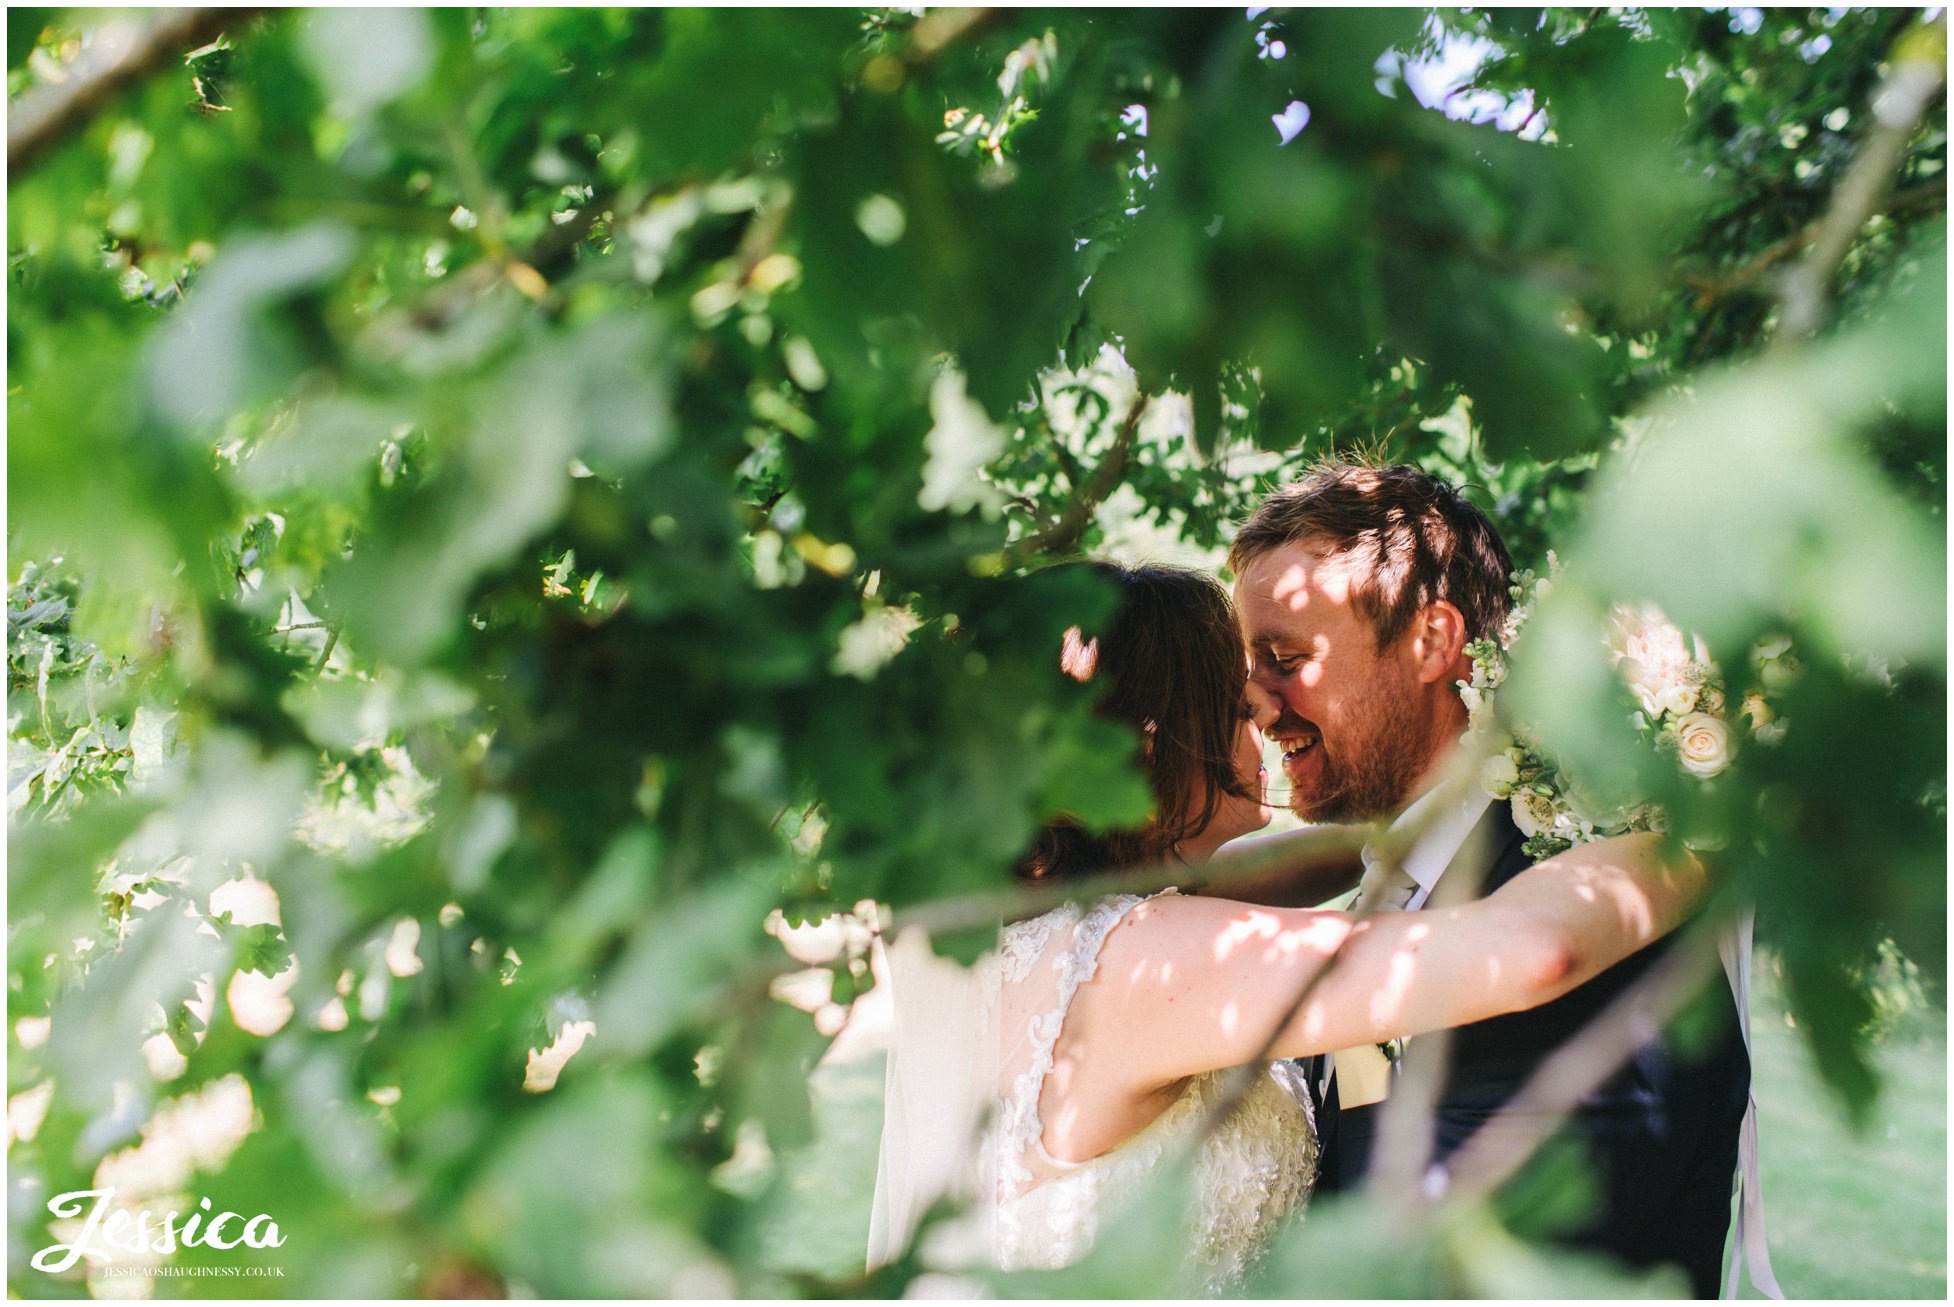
<point>1213,928</point>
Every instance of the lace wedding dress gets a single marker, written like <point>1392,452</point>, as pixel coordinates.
<point>1035,1210</point>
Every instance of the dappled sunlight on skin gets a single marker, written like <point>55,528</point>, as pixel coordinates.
<point>1634,910</point>
<point>1357,725</point>
<point>1191,985</point>
<point>1148,971</point>
<point>1291,590</point>
<point>1388,1004</point>
<point>1390,995</point>
<point>1334,580</point>
<point>1316,935</point>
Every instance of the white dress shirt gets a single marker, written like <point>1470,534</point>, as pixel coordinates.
<point>1451,822</point>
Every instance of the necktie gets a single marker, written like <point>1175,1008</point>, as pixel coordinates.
<point>1386,887</point>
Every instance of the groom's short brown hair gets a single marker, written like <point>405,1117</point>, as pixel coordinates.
<point>1414,539</point>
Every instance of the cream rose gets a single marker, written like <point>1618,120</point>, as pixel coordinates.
<point>1704,743</point>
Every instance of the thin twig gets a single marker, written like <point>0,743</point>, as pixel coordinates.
<point>1307,849</point>
<point>475,188</point>
<point>332,642</point>
<point>1074,475</point>
<point>121,55</point>
<point>1388,848</point>
<point>1581,1065</point>
<point>1918,70</point>
<point>1405,1123</point>
<point>446,302</point>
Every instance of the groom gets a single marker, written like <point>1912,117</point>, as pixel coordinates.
<point>1358,588</point>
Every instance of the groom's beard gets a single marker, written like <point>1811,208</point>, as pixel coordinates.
<point>1368,771</point>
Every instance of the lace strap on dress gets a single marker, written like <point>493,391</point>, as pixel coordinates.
<point>1021,1126</point>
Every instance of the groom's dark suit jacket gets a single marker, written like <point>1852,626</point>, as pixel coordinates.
<point>1661,1133</point>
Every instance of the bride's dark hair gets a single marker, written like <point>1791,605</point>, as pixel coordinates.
<point>1174,668</point>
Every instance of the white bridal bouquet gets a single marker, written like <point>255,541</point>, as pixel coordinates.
<point>1682,714</point>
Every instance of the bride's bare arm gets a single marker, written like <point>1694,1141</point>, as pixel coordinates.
<point>1192,984</point>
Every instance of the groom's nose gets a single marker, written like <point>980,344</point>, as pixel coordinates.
<point>1279,688</point>
<point>1263,707</point>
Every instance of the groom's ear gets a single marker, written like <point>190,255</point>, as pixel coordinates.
<point>1438,640</point>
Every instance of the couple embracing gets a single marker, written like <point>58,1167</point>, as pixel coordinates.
<point>1052,1080</point>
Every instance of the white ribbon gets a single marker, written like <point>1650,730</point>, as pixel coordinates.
<point>1747,1243</point>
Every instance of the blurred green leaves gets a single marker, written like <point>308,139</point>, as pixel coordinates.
<point>1749,511</point>
<point>500,472</point>
<point>538,488</point>
<point>225,349</point>
<point>366,58</point>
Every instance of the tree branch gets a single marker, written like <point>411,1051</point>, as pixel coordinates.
<point>121,55</point>
<point>1919,60</point>
<point>1064,533</point>
<point>1711,289</point>
<point>1405,1122</point>
<point>1074,475</point>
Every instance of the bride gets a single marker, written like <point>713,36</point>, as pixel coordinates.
<point>1047,1083</point>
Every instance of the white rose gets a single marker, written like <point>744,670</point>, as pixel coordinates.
<point>1498,775</point>
<point>1647,684</point>
<point>1676,698</point>
<point>1705,744</point>
<point>1532,812</point>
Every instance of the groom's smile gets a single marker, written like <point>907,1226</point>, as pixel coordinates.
<point>1293,742</point>
<point>1303,760</point>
